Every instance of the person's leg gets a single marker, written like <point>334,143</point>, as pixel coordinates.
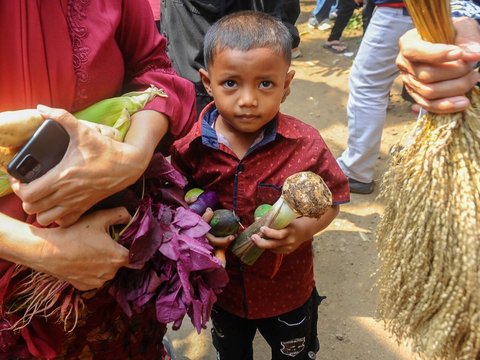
<point>318,7</point>
<point>371,78</point>
<point>232,336</point>
<point>345,12</point>
<point>293,335</point>
<point>290,12</point>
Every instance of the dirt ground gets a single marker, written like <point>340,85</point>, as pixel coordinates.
<point>345,253</point>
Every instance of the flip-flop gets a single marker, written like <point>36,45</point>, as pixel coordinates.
<point>341,48</point>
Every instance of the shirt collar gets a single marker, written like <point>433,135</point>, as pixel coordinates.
<point>277,126</point>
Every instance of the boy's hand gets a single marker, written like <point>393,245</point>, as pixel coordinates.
<point>219,243</point>
<point>284,241</point>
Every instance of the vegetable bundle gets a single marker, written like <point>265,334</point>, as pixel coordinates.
<point>179,273</point>
<point>303,194</point>
<point>428,238</point>
<point>179,270</point>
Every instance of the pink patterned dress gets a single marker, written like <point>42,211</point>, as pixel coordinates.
<point>70,54</point>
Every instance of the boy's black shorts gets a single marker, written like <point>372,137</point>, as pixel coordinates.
<point>291,336</point>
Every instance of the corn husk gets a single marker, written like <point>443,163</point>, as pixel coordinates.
<point>428,238</point>
<point>116,112</point>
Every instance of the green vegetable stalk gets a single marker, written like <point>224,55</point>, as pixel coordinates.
<point>303,194</point>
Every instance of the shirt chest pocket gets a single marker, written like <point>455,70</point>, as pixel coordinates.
<point>267,193</point>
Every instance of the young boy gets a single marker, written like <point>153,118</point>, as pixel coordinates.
<point>243,148</point>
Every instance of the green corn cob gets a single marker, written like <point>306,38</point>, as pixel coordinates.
<point>116,112</point>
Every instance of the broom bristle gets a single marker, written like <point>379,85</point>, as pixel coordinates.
<point>428,238</point>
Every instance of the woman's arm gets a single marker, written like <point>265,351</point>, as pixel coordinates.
<point>147,63</point>
<point>84,254</point>
<point>95,167</point>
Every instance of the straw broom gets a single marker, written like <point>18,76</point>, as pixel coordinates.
<point>429,237</point>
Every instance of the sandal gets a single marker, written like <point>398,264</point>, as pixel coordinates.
<point>336,47</point>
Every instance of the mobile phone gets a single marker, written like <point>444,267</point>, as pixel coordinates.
<point>43,151</point>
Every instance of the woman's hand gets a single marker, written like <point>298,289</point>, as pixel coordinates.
<point>438,75</point>
<point>84,254</point>
<point>287,240</point>
<point>93,168</point>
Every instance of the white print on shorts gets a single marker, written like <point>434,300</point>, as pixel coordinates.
<point>293,347</point>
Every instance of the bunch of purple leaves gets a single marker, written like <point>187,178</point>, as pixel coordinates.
<point>176,269</point>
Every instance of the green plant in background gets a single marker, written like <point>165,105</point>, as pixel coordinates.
<point>355,22</point>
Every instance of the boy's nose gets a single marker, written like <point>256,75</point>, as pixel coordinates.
<point>248,98</point>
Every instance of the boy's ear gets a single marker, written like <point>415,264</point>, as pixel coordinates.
<point>289,78</point>
<point>205,80</point>
<point>286,85</point>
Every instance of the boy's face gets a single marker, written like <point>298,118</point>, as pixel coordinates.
<point>247,86</point>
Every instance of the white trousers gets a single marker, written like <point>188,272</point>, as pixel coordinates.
<point>371,78</point>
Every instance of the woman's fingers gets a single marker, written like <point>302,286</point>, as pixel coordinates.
<point>413,48</point>
<point>84,254</point>
<point>431,73</point>
<point>438,75</point>
<point>66,220</point>
<point>446,89</point>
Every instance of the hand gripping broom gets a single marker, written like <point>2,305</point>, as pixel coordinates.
<point>429,237</point>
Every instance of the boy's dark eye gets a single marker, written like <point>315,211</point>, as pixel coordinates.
<point>230,84</point>
<point>266,84</point>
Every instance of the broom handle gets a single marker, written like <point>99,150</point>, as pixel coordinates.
<point>433,20</point>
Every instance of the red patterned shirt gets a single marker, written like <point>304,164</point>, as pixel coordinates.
<point>275,284</point>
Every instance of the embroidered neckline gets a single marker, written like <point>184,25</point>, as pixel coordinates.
<point>76,13</point>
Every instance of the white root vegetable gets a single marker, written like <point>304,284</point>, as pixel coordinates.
<point>6,154</point>
<point>16,127</point>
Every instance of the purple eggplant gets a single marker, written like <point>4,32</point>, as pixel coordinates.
<point>207,199</point>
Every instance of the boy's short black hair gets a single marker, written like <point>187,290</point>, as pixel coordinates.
<point>246,30</point>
